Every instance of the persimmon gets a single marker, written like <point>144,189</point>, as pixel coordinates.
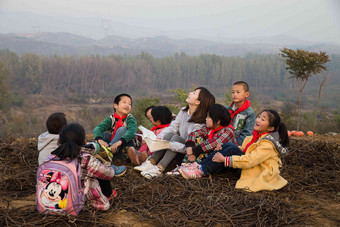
<point>293,133</point>
<point>310,133</point>
<point>301,133</point>
<point>289,133</point>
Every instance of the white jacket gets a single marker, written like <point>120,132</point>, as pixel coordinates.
<point>181,127</point>
<point>46,144</point>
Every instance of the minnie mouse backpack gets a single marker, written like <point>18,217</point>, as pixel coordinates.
<point>58,189</point>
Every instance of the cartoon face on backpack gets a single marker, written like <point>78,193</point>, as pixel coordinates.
<point>54,194</point>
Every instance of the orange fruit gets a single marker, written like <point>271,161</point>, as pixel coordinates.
<point>310,133</point>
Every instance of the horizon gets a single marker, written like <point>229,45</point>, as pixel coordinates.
<point>312,21</point>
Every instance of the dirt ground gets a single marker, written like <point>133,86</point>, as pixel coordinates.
<point>311,198</point>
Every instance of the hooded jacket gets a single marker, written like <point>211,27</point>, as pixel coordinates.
<point>46,144</point>
<point>261,164</point>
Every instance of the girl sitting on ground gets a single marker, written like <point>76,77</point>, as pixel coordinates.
<point>259,157</point>
<point>217,131</point>
<point>72,138</point>
<point>160,117</point>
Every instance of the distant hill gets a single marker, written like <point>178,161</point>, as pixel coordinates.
<point>46,43</point>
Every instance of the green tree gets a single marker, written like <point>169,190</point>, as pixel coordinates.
<point>302,65</point>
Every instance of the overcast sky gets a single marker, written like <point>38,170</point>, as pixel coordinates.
<point>314,20</point>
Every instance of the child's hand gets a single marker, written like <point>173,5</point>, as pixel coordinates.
<point>191,158</point>
<point>114,147</point>
<point>218,157</point>
<point>103,143</point>
<point>218,147</point>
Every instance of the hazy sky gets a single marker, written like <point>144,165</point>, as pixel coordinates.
<point>314,20</point>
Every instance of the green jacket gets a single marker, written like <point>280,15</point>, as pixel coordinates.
<point>109,124</point>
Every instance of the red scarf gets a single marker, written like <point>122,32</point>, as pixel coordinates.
<point>154,128</point>
<point>119,123</point>
<point>256,136</point>
<point>212,131</point>
<point>244,106</point>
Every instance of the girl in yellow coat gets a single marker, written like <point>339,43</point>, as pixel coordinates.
<point>261,161</point>
<point>259,157</point>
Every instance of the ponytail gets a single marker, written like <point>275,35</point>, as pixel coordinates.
<point>67,150</point>
<point>282,130</point>
<point>71,138</point>
<point>280,127</point>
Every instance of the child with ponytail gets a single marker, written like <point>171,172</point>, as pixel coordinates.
<point>96,174</point>
<point>259,157</point>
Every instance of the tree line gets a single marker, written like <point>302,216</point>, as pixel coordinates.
<point>101,76</point>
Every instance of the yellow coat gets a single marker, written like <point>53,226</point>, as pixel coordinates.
<point>260,165</point>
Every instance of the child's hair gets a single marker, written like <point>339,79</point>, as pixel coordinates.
<point>71,138</point>
<point>119,97</point>
<point>55,122</point>
<point>147,109</point>
<point>280,127</point>
<point>162,114</point>
<point>206,99</point>
<point>218,112</point>
<point>244,84</point>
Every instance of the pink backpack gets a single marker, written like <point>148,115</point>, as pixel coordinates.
<point>58,189</point>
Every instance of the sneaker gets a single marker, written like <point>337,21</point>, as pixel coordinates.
<point>173,172</point>
<point>145,166</point>
<point>143,156</point>
<point>113,195</point>
<point>155,171</point>
<point>133,156</point>
<point>119,170</point>
<point>190,172</point>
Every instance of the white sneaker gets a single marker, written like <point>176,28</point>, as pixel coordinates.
<point>144,166</point>
<point>155,171</point>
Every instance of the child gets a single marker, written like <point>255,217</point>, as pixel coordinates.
<point>160,117</point>
<point>242,115</point>
<point>122,126</point>
<point>72,137</point>
<point>190,118</point>
<point>48,141</point>
<point>217,131</point>
<point>259,157</point>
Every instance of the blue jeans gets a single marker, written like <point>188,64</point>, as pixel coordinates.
<point>119,133</point>
<point>228,149</point>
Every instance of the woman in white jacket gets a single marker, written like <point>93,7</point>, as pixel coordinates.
<point>190,118</point>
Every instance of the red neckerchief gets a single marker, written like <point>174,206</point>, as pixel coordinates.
<point>256,136</point>
<point>119,123</point>
<point>159,126</point>
<point>212,131</point>
<point>244,106</point>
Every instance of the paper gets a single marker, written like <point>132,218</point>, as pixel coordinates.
<point>151,140</point>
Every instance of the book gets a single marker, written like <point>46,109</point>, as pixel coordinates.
<point>151,140</point>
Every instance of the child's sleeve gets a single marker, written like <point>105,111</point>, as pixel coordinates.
<point>96,169</point>
<point>248,128</point>
<point>263,151</point>
<point>102,127</point>
<point>202,133</point>
<point>210,144</point>
<point>131,131</point>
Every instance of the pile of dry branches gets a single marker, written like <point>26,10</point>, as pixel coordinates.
<point>311,167</point>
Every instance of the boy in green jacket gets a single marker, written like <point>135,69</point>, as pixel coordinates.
<point>118,129</point>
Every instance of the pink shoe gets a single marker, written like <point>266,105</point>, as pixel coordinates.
<point>190,172</point>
